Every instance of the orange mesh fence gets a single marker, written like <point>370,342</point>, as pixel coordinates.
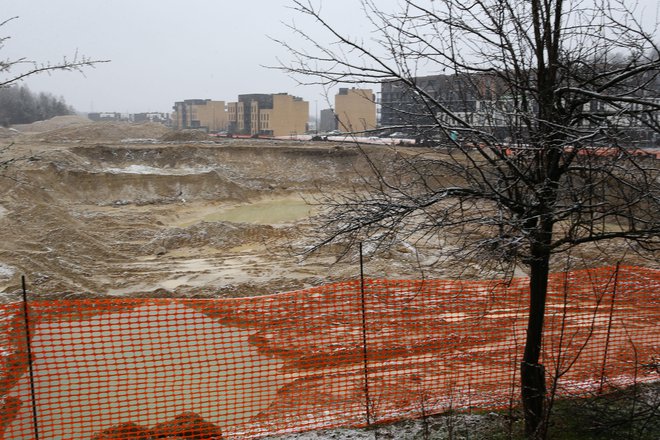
<point>345,354</point>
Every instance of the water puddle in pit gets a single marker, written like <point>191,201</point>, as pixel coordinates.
<point>143,366</point>
<point>266,212</point>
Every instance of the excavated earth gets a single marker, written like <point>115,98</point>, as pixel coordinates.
<point>137,209</point>
<point>113,209</point>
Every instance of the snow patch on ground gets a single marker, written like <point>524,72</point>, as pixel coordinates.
<point>6,271</point>
<point>144,169</point>
<point>442,427</point>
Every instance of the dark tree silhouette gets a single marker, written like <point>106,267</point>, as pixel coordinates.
<point>18,105</point>
<point>537,110</point>
<point>19,102</point>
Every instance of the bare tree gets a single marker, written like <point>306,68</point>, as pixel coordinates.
<point>15,70</point>
<point>537,110</point>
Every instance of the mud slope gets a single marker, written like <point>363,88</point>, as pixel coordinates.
<point>192,218</point>
<point>119,219</point>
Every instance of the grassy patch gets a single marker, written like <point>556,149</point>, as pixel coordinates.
<point>631,414</point>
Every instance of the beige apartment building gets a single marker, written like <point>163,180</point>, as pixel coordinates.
<point>200,114</point>
<point>355,109</point>
<point>268,114</point>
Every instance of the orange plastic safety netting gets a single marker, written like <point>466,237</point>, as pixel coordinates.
<point>338,355</point>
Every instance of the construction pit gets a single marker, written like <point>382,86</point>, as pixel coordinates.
<point>124,209</point>
<point>118,210</point>
<point>110,209</point>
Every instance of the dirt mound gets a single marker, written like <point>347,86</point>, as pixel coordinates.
<point>52,124</point>
<point>218,234</point>
<point>185,136</point>
<point>8,132</point>
<point>107,131</point>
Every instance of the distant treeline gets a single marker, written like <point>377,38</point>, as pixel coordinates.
<point>18,105</point>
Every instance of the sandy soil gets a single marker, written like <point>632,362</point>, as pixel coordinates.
<point>85,209</point>
<point>137,209</point>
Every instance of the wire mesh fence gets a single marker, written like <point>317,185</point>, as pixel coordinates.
<point>346,354</point>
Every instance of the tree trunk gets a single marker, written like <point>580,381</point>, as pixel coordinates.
<point>532,374</point>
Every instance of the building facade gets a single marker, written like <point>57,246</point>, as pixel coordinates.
<point>268,114</point>
<point>328,120</point>
<point>401,105</point>
<point>162,118</point>
<point>355,110</point>
<point>202,114</point>
<point>484,102</point>
<point>108,116</point>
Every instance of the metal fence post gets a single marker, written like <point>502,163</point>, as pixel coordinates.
<point>33,395</point>
<point>364,340</point>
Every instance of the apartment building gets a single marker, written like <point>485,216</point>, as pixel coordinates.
<point>328,120</point>
<point>203,114</point>
<point>268,114</point>
<point>355,109</point>
<point>162,118</point>
<point>108,116</point>
<point>401,105</point>
<point>484,102</point>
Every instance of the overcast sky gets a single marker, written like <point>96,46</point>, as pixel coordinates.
<point>163,51</point>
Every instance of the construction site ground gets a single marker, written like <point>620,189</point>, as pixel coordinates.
<point>138,210</point>
<point>112,208</point>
